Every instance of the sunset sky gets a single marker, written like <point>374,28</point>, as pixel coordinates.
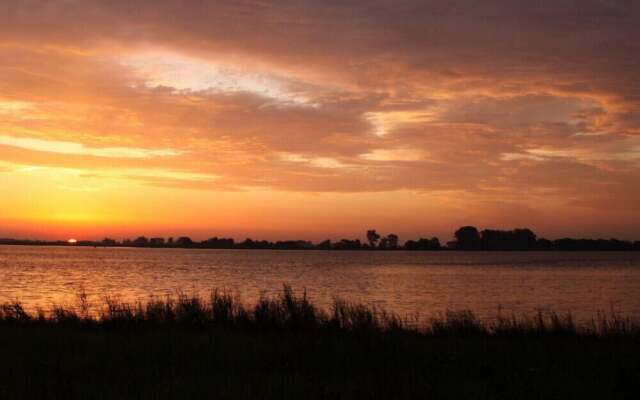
<point>318,119</point>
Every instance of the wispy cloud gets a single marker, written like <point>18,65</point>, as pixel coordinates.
<point>64,147</point>
<point>185,73</point>
<point>395,154</point>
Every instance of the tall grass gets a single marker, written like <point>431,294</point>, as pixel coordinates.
<point>284,347</point>
<point>292,312</point>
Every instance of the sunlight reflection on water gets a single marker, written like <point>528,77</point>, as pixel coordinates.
<point>426,283</point>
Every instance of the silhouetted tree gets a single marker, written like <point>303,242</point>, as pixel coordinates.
<point>184,241</point>
<point>218,243</point>
<point>108,242</point>
<point>544,244</point>
<point>140,241</point>
<point>524,239</point>
<point>255,244</point>
<point>393,240</point>
<point>293,245</point>
<point>325,245</point>
<point>346,244</point>
<point>468,238</point>
<point>389,242</point>
<point>372,238</point>
<point>517,239</point>
<point>156,242</point>
<point>568,244</point>
<point>423,244</point>
<point>246,244</point>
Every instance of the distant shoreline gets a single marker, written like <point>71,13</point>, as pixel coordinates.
<point>442,250</point>
<point>467,238</point>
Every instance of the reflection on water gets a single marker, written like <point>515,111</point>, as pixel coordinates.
<point>404,282</point>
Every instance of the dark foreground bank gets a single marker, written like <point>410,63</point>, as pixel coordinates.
<point>285,348</point>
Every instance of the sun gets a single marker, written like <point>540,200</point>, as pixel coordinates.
<point>72,241</point>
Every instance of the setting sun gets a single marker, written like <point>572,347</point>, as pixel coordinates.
<point>72,241</point>
<point>189,129</point>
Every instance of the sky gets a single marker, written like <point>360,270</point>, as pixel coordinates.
<point>309,119</point>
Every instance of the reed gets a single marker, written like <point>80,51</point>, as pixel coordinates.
<point>285,347</point>
<point>288,311</point>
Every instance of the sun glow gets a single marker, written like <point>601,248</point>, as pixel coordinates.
<point>72,241</point>
<point>277,122</point>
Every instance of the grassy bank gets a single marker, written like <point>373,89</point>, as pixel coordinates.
<point>284,347</point>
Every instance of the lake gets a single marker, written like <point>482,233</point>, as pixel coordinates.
<point>408,283</point>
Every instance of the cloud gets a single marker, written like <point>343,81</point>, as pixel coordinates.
<point>399,154</point>
<point>182,73</point>
<point>507,101</point>
<point>63,147</point>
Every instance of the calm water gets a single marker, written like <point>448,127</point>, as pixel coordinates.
<point>404,282</point>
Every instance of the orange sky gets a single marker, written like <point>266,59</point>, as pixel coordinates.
<point>310,119</point>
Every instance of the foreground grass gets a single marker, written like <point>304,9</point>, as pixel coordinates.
<point>284,347</point>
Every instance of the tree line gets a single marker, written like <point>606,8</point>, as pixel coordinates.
<point>467,238</point>
<point>470,238</point>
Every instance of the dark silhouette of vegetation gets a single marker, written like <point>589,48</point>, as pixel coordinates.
<point>466,238</point>
<point>109,242</point>
<point>346,244</point>
<point>286,347</point>
<point>390,242</point>
<point>140,242</point>
<point>423,244</point>
<point>469,238</point>
<point>184,241</point>
<point>372,238</point>
<point>222,243</point>
<point>594,244</point>
<point>156,242</point>
<point>517,239</point>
